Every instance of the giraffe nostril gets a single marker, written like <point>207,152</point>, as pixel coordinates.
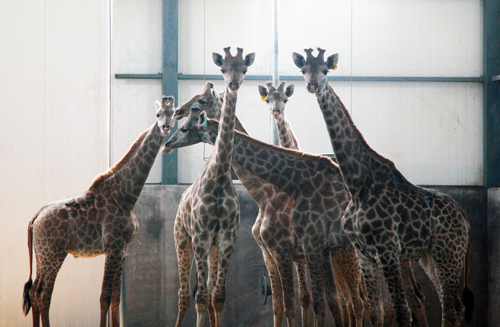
<point>166,126</point>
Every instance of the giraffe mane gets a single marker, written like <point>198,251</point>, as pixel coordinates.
<point>122,162</point>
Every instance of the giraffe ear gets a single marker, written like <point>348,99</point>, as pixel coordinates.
<point>331,62</point>
<point>298,60</point>
<point>289,90</point>
<point>203,119</point>
<point>249,59</point>
<point>262,91</point>
<point>217,58</point>
<point>157,105</point>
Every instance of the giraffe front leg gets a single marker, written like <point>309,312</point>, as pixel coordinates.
<point>392,272</point>
<point>314,263</point>
<point>373,289</point>
<point>226,248</point>
<point>351,273</point>
<point>276,287</point>
<point>202,298</point>
<point>213,259</point>
<point>114,260</point>
<point>413,294</point>
<point>304,294</point>
<point>183,247</point>
<point>115,297</point>
<point>334,298</point>
<point>340,280</point>
<point>285,268</point>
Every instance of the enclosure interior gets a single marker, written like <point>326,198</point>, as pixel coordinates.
<point>411,73</point>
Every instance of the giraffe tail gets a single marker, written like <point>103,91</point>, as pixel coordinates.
<point>29,283</point>
<point>468,295</point>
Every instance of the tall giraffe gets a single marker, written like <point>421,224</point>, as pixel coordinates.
<point>277,99</point>
<point>319,196</point>
<point>271,230</point>
<point>208,217</point>
<point>390,221</point>
<point>99,221</point>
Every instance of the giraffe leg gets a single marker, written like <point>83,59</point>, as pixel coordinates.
<point>336,302</point>
<point>416,305</point>
<point>213,259</point>
<point>46,284</point>
<point>185,261</point>
<point>226,247</point>
<point>285,267</point>
<point>202,298</point>
<point>314,263</point>
<point>34,294</point>
<point>346,266</point>
<point>276,287</point>
<point>304,294</point>
<point>113,263</point>
<point>373,288</point>
<point>392,272</point>
<point>115,297</point>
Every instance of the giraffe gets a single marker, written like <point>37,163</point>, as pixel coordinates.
<point>315,185</point>
<point>272,230</point>
<point>99,221</point>
<point>208,217</point>
<point>277,99</point>
<point>390,221</point>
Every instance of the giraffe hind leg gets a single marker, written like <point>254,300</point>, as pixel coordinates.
<point>304,294</point>
<point>45,286</point>
<point>112,267</point>
<point>183,246</point>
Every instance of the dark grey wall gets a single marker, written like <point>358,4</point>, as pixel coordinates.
<point>151,280</point>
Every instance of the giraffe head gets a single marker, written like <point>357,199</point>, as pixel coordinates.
<point>205,101</point>
<point>165,113</point>
<point>315,69</point>
<point>233,68</point>
<point>276,98</point>
<point>196,129</point>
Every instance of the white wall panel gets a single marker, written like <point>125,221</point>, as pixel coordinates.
<point>137,49</point>
<point>54,95</point>
<point>417,38</point>
<point>431,131</point>
<point>210,26</point>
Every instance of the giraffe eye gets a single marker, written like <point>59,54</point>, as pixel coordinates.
<point>184,130</point>
<point>285,101</point>
<point>302,71</point>
<point>245,71</point>
<point>157,115</point>
<point>325,72</point>
<point>201,101</point>
<point>223,71</point>
<point>267,101</point>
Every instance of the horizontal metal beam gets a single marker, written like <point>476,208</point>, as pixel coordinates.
<point>139,76</point>
<point>181,76</point>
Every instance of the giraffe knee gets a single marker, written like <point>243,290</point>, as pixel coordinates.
<point>218,300</point>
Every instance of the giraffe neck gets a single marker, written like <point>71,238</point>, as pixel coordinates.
<point>225,139</point>
<point>288,170</point>
<point>130,173</point>
<point>352,152</point>
<point>286,135</point>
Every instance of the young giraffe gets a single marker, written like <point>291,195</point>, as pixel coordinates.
<point>315,185</point>
<point>390,221</point>
<point>209,215</point>
<point>271,230</point>
<point>99,221</point>
<point>277,99</point>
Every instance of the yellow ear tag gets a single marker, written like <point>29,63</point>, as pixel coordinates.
<point>263,98</point>
<point>334,65</point>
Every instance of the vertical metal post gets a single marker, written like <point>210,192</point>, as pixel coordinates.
<point>275,66</point>
<point>170,24</point>
<point>491,99</point>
